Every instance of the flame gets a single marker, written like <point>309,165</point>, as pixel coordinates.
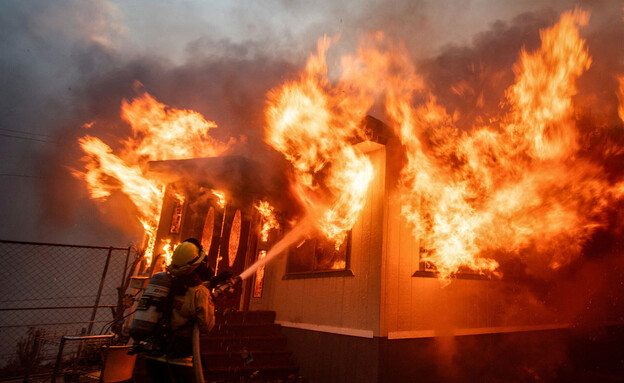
<point>103,168</point>
<point>269,221</point>
<point>168,249</point>
<point>159,133</point>
<point>542,94</point>
<point>312,123</point>
<point>515,186</point>
<point>220,196</point>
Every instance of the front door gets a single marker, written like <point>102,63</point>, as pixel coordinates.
<point>230,249</point>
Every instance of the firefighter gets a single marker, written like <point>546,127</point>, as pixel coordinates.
<point>191,303</point>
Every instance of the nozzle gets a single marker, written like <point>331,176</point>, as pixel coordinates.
<point>227,286</point>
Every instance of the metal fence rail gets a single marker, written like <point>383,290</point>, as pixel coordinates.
<point>50,290</point>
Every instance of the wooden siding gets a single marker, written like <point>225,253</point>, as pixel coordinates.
<point>423,306</point>
<point>349,302</point>
<point>383,296</point>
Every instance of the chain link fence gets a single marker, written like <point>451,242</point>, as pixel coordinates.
<point>55,290</point>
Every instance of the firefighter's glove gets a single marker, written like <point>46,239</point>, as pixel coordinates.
<point>223,277</point>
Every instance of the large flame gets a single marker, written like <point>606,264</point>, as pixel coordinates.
<point>515,186</point>
<point>159,133</point>
<point>516,183</point>
<point>313,123</point>
<point>510,187</point>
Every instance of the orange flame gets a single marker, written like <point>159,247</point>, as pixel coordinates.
<point>168,249</point>
<point>514,188</point>
<point>542,95</point>
<point>159,133</point>
<point>103,167</point>
<point>313,124</point>
<point>269,221</point>
<point>509,188</point>
<point>220,195</point>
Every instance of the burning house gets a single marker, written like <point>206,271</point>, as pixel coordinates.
<point>408,248</point>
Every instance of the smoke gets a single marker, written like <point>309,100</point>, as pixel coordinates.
<point>71,62</point>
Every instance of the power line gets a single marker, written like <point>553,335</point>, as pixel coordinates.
<point>19,175</point>
<point>22,132</point>
<point>28,138</point>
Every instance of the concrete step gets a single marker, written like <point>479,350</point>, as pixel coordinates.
<point>245,330</point>
<point>257,359</point>
<point>243,317</point>
<point>234,374</point>
<point>251,343</point>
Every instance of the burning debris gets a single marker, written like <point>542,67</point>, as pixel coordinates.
<point>476,189</point>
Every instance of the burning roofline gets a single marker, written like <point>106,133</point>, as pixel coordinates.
<point>231,174</point>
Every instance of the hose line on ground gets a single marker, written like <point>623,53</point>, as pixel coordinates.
<point>197,363</point>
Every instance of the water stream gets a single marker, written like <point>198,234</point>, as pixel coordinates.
<point>294,235</point>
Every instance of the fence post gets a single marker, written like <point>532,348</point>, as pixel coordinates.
<point>32,360</point>
<point>123,275</point>
<point>59,359</point>
<point>99,293</point>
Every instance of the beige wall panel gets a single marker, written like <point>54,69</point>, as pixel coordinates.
<point>392,263</point>
<point>406,294</point>
<point>426,306</point>
<point>342,302</point>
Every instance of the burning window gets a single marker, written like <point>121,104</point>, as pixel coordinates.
<point>235,234</point>
<point>259,281</point>
<point>319,255</point>
<point>208,230</point>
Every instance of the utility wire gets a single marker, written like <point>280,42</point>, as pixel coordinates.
<point>19,175</point>
<point>28,138</point>
<point>22,132</point>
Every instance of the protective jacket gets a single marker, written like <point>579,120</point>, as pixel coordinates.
<point>192,305</point>
<point>196,304</point>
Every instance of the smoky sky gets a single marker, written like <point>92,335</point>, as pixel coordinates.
<point>67,63</point>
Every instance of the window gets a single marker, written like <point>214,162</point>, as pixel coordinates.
<point>208,230</point>
<point>235,233</point>
<point>318,257</point>
<point>259,281</point>
<point>428,269</point>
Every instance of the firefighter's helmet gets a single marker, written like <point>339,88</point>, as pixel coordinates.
<point>186,257</point>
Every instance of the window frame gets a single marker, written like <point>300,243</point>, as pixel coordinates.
<point>346,272</point>
<point>426,269</point>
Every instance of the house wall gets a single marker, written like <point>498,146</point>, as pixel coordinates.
<point>347,304</point>
<point>417,307</point>
<point>383,324</point>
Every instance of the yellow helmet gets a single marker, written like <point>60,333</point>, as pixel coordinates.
<point>187,256</point>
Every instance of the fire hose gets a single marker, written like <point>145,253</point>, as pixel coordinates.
<point>197,365</point>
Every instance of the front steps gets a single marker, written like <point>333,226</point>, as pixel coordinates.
<point>247,345</point>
